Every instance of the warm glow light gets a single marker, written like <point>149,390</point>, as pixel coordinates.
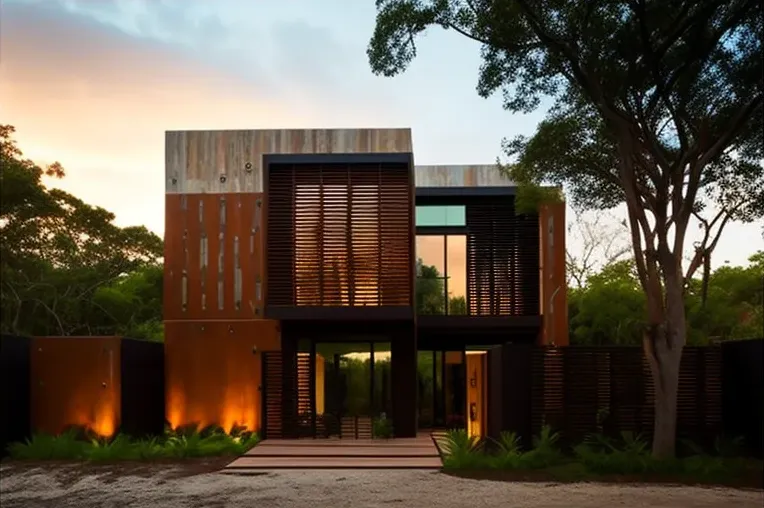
<point>176,414</point>
<point>105,424</point>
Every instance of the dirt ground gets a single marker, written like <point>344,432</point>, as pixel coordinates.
<point>198,485</point>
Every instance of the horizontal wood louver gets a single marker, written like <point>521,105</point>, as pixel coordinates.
<point>273,388</point>
<point>502,260</point>
<point>339,235</point>
<point>305,377</point>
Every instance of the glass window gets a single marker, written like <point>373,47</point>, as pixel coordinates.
<point>430,273</point>
<point>456,267</point>
<point>452,215</point>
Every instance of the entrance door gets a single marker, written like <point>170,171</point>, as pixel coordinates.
<point>442,389</point>
<point>345,385</point>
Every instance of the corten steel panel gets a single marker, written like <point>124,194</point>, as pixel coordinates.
<point>75,381</point>
<point>340,235</point>
<point>485,175</point>
<point>213,249</point>
<point>230,161</point>
<point>554,289</point>
<point>502,259</point>
<point>174,257</point>
<point>213,371</point>
<point>14,390</point>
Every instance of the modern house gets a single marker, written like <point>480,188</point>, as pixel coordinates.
<point>317,279</point>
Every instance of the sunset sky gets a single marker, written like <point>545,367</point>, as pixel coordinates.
<point>95,83</point>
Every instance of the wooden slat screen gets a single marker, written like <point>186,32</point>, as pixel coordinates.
<point>339,235</point>
<point>580,390</point>
<point>304,394</point>
<point>273,389</point>
<point>502,260</point>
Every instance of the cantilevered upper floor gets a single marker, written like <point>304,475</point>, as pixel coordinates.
<point>340,224</point>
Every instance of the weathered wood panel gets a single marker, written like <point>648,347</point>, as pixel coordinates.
<point>213,256</point>
<point>230,161</point>
<point>460,176</point>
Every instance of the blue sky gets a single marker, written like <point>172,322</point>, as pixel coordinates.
<point>95,83</point>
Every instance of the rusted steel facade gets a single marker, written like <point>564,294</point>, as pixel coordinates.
<point>220,257</point>
<point>279,238</point>
<point>213,256</point>
<point>214,373</point>
<point>104,384</point>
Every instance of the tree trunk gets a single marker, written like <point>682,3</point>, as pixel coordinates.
<point>663,344</point>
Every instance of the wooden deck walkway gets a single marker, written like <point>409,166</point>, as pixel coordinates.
<point>273,454</point>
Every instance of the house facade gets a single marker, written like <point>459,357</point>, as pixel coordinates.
<point>317,280</point>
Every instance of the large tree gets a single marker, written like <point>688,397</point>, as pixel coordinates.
<point>661,102</point>
<point>64,264</point>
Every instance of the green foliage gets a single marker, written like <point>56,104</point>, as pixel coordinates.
<point>382,427</point>
<point>430,290</point>
<point>462,451</point>
<point>545,452</point>
<point>508,454</point>
<point>65,267</point>
<point>655,104</point>
<point>611,307</point>
<point>630,456</point>
<point>431,293</point>
<point>66,446</point>
<point>597,456</point>
<point>176,444</point>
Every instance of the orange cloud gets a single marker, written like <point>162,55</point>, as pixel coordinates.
<point>99,100</point>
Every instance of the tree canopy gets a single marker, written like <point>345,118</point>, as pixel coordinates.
<point>66,268</point>
<point>657,104</point>
<point>610,307</point>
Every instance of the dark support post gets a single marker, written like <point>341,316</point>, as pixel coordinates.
<point>404,377</point>
<point>289,386</point>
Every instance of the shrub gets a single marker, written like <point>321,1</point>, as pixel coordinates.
<point>121,447</point>
<point>46,447</point>
<point>175,444</point>
<point>601,455</point>
<point>463,451</point>
<point>382,427</point>
<point>545,451</point>
<point>508,454</point>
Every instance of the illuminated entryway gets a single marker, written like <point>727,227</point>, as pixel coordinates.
<point>342,387</point>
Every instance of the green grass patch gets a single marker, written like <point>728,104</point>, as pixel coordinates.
<point>597,459</point>
<point>175,444</point>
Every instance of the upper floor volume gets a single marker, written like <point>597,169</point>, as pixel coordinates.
<point>338,224</point>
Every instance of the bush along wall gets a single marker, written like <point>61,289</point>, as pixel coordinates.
<point>182,443</point>
<point>597,457</point>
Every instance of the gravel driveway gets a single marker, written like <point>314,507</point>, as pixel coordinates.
<point>167,486</point>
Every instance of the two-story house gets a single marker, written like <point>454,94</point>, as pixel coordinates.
<point>317,279</point>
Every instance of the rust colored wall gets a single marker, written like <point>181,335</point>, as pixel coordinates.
<point>75,381</point>
<point>554,289</point>
<point>213,256</point>
<point>212,374</point>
